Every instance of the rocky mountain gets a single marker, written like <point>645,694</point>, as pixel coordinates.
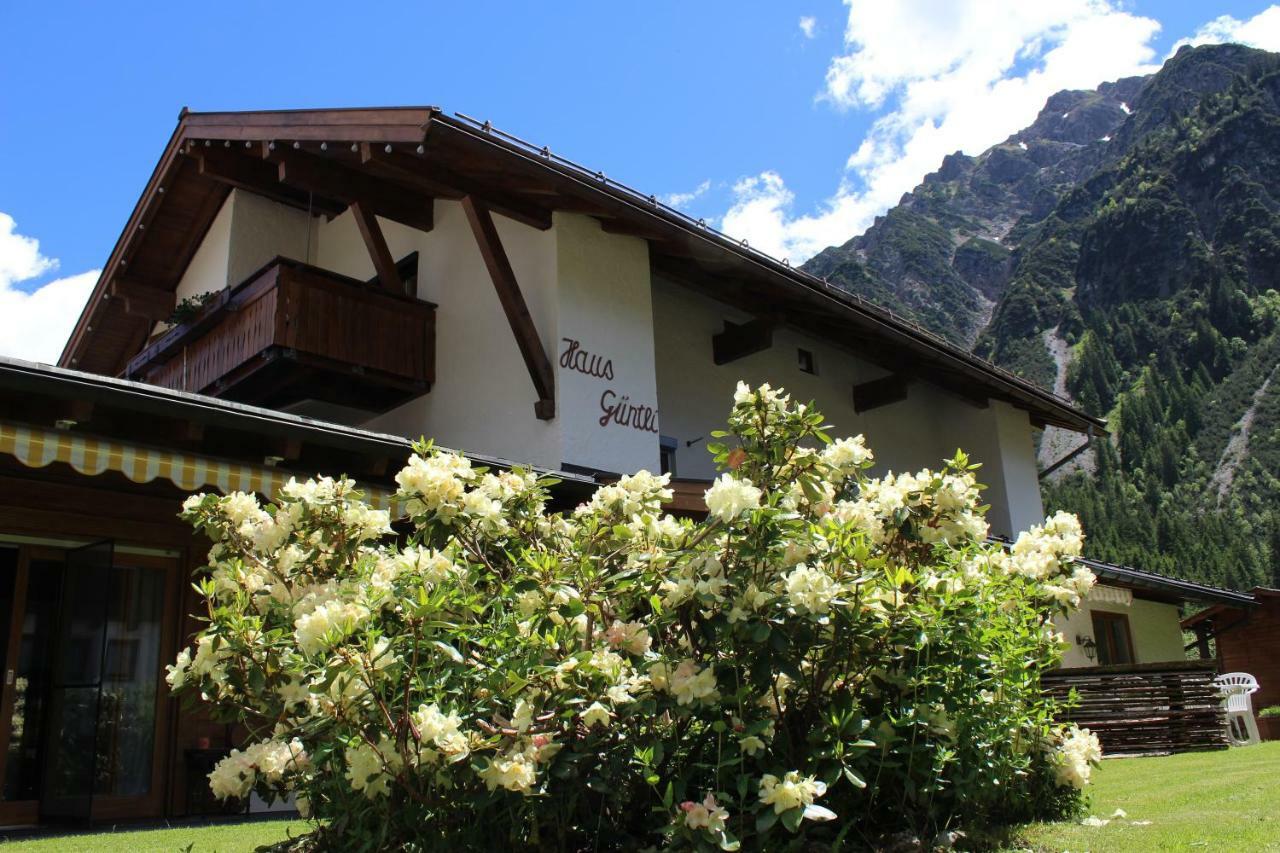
<point>1123,250</point>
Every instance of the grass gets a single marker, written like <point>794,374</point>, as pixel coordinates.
<point>240,837</point>
<point>1201,801</point>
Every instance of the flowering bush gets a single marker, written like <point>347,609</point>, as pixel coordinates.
<point>828,656</point>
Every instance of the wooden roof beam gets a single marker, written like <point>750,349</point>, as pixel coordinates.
<point>389,200</point>
<point>880,392</point>
<point>251,174</point>
<point>739,340</point>
<point>419,168</point>
<point>150,303</point>
<point>513,305</point>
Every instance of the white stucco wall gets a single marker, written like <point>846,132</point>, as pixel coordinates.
<point>694,395</point>
<point>1154,626</point>
<point>248,231</point>
<point>482,399</point>
<point>207,270</point>
<point>605,306</point>
<point>262,229</point>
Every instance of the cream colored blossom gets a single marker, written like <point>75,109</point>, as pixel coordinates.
<point>596,715</point>
<point>729,497</point>
<point>370,769</point>
<point>634,637</point>
<point>794,791</point>
<point>847,455</point>
<point>1077,754</point>
<point>513,771</point>
<point>708,814</point>
<point>810,589</point>
<point>691,683</point>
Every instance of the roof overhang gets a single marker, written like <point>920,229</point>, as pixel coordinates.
<point>400,159</point>
<point>118,409</point>
<point>1164,587</point>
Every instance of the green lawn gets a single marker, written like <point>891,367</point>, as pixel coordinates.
<point>221,838</point>
<point>1203,801</point>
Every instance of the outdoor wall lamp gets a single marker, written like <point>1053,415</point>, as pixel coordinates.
<point>1087,643</point>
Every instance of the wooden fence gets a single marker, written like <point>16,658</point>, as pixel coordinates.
<point>1143,708</point>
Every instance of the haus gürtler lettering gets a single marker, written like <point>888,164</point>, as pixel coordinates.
<point>615,409</point>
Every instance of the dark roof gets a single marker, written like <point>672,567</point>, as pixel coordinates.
<point>127,410</point>
<point>1162,584</point>
<point>417,152</point>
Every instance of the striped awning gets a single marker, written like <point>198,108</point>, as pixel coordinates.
<point>36,447</point>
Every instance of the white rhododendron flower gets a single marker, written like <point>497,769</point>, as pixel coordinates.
<point>729,498</point>
<point>513,771</point>
<point>1077,754</point>
<point>596,715</point>
<point>794,791</point>
<point>810,589</point>
<point>707,814</point>
<point>847,455</point>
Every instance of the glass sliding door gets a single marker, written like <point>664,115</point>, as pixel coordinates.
<point>84,636</point>
<point>127,714</point>
<point>69,772</point>
<point>30,589</point>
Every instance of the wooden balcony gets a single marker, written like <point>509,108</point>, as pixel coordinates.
<point>294,332</point>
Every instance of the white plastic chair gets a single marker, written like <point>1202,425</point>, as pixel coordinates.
<point>1235,689</point>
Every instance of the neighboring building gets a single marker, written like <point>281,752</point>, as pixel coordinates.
<point>1245,638</point>
<point>1127,667</point>
<point>392,273</point>
<point>1134,617</point>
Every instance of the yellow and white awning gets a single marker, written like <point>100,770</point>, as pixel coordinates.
<point>36,447</point>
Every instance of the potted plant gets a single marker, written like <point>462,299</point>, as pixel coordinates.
<point>1269,722</point>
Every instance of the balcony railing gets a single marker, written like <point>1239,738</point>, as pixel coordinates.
<point>294,332</point>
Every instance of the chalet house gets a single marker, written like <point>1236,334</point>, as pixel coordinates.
<point>303,292</point>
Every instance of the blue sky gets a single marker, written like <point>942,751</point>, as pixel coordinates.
<point>789,123</point>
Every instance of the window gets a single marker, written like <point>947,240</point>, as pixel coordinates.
<point>808,364</point>
<point>1111,632</point>
<point>667,455</point>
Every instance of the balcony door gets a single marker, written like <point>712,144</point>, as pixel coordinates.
<point>83,632</point>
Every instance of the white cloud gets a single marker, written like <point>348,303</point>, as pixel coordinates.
<point>808,26</point>
<point>942,76</point>
<point>35,325</point>
<point>682,199</point>
<point>1262,30</point>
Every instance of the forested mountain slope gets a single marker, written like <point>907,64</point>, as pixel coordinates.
<point>1125,248</point>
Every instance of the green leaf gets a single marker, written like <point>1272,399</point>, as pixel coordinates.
<point>792,817</point>
<point>766,819</point>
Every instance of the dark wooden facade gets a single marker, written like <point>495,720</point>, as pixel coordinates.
<point>1143,708</point>
<point>1247,639</point>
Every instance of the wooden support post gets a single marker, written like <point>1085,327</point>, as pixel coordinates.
<point>513,305</point>
<point>383,264</point>
<point>880,392</point>
<point>739,340</point>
